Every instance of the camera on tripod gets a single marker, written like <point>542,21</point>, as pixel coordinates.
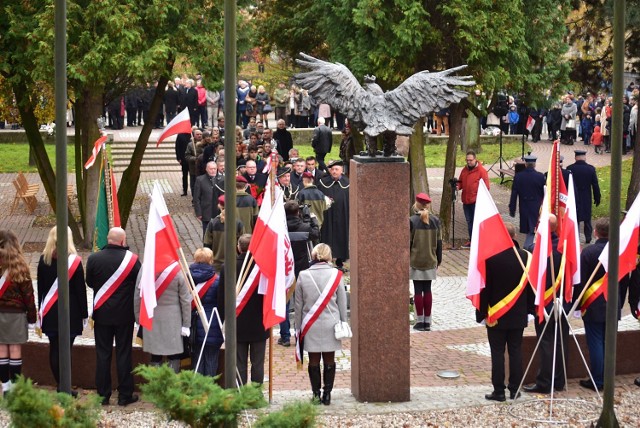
<point>305,212</point>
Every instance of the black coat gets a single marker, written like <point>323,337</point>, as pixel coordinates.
<point>528,186</point>
<point>584,179</point>
<point>596,311</point>
<point>190,99</point>
<point>335,225</point>
<point>249,326</point>
<point>503,275</point>
<point>182,141</point>
<point>47,274</point>
<point>302,235</point>
<point>285,142</point>
<point>322,139</point>
<point>171,100</point>
<point>118,309</point>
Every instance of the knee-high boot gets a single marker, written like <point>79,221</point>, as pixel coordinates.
<point>175,365</point>
<point>316,382</point>
<point>329,376</point>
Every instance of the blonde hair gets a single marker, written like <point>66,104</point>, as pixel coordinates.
<point>321,253</point>
<point>203,255</point>
<point>422,210</point>
<point>12,259</point>
<point>51,246</point>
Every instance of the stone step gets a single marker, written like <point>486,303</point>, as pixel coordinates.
<point>148,168</point>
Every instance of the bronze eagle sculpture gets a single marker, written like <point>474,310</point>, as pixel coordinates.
<point>374,112</point>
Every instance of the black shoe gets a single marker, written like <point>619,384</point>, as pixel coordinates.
<point>419,326</point>
<point>586,383</point>
<point>105,401</point>
<point>125,401</point>
<point>426,327</point>
<point>637,381</point>
<point>495,396</point>
<point>184,194</point>
<point>535,388</point>
<point>285,343</point>
<point>73,393</point>
<point>513,396</point>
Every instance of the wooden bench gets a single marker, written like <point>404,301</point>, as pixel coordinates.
<point>504,173</point>
<point>26,193</point>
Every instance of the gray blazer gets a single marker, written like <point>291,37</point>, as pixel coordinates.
<point>172,313</point>
<point>320,337</point>
<point>204,194</point>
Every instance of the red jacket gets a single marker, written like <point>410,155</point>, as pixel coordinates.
<point>470,180</point>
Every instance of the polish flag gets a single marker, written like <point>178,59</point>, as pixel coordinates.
<point>628,242</point>
<point>181,124</point>
<point>94,152</point>
<point>489,237</point>
<point>569,244</point>
<point>556,186</point>
<point>273,256</point>
<point>160,264</point>
<point>530,123</point>
<point>114,200</point>
<point>541,254</point>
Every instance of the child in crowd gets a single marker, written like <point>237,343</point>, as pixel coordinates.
<point>596,140</point>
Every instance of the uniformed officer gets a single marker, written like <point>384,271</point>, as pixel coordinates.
<point>528,186</point>
<point>585,179</point>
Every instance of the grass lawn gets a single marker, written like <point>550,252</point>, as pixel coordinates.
<point>604,181</point>
<point>435,153</point>
<point>15,157</point>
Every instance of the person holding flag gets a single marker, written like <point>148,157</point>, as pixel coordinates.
<point>320,302</point>
<point>505,303</point>
<point>48,298</point>
<point>593,303</point>
<point>111,273</point>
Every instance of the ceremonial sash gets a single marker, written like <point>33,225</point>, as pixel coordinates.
<point>164,279</point>
<point>507,302</point>
<point>551,292</point>
<point>247,291</point>
<point>52,296</point>
<point>4,283</point>
<point>593,292</point>
<point>315,311</point>
<point>112,284</point>
<point>202,289</point>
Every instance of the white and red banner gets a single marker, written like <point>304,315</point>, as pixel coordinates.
<point>489,237</point>
<point>112,284</point>
<point>52,295</point>
<point>247,290</point>
<point>4,282</point>
<point>628,250</point>
<point>160,263</point>
<point>272,253</point>
<point>530,123</point>
<point>556,187</point>
<point>181,124</point>
<point>569,243</point>
<point>202,288</point>
<point>541,253</point>
<point>94,152</point>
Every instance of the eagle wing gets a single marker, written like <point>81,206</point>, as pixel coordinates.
<point>425,93</point>
<point>333,84</point>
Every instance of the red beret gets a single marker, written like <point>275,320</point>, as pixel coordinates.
<point>241,179</point>
<point>423,198</point>
<point>221,200</point>
<point>307,174</point>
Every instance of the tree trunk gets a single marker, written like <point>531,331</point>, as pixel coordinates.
<point>455,133</point>
<point>131,175</point>
<point>89,109</point>
<point>472,142</point>
<point>419,177</point>
<point>36,145</point>
<point>634,184</point>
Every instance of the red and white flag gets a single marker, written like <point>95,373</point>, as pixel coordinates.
<point>181,124</point>
<point>530,123</point>
<point>628,250</point>
<point>114,200</point>
<point>569,243</point>
<point>489,237</point>
<point>556,187</point>
<point>94,152</point>
<point>160,265</point>
<point>541,253</point>
<point>272,253</point>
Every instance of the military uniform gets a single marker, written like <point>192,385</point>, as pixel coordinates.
<point>584,179</point>
<point>528,186</point>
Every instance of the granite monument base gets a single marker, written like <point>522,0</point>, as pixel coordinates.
<point>379,246</point>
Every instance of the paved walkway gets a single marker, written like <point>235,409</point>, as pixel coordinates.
<point>456,342</point>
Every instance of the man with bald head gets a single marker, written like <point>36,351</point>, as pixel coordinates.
<point>112,273</point>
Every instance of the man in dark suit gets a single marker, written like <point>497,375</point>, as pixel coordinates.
<point>113,313</point>
<point>321,142</point>
<point>209,187</point>
<point>190,100</point>
<point>585,180</point>
<point>528,185</point>
<point>182,141</point>
<point>504,275</point>
<point>546,347</point>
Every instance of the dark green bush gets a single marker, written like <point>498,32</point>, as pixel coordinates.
<point>295,415</point>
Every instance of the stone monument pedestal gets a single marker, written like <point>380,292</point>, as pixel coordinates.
<point>379,202</point>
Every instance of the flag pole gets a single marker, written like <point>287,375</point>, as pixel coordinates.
<point>272,190</point>
<point>244,272</point>
<point>577,302</point>
<point>192,288</point>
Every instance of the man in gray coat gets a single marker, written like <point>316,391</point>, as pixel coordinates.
<point>205,195</point>
<point>321,143</point>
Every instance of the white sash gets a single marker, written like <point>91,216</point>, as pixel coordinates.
<point>52,296</point>
<point>112,284</point>
<point>4,282</point>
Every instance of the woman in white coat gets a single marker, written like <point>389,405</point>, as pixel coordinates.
<point>320,302</point>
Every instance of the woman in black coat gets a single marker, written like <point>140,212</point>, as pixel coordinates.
<point>48,313</point>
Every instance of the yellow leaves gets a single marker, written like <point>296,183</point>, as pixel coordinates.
<point>56,412</point>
